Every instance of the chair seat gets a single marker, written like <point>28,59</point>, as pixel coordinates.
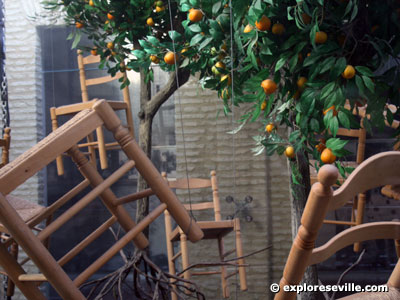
<point>26,209</point>
<point>211,229</point>
<point>392,294</point>
<point>314,173</point>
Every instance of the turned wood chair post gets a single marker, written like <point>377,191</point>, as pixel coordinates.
<point>185,257</point>
<point>54,125</point>
<point>82,77</point>
<point>156,182</point>
<point>224,273</point>
<point>6,148</point>
<point>239,253</point>
<point>127,99</point>
<point>311,221</point>
<point>107,196</point>
<point>214,186</point>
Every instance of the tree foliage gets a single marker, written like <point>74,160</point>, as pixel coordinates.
<point>345,51</point>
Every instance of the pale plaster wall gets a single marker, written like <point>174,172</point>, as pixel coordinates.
<point>208,147</point>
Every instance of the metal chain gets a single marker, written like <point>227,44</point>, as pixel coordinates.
<point>3,86</point>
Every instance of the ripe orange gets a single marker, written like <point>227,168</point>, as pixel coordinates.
<point>301,83</point>
<point>248,28</point>
<point>269,86</point>
<point>330,108</point>
<point>79,25</point>
<point>263,105</point>
<point>228,78</point>
<point>264,24</point>
<point>93,51</point>
<point>320,37</point>
<point>306,18</point>
<point>269,127</point>
<point>327,157</point>
<point>110,16</point>
<point>195,15</point>
<point>349,72</point>
<point>278,29</point>
<point>170,58</point>
<point>150,22</point>
<point>289,152</point>
<point>91,3</point>
<point>154,59</point>
<point>110,45</point>
<point>220,64</point>
<point>160,9</point>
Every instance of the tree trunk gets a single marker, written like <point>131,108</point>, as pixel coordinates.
<point>299,194</point>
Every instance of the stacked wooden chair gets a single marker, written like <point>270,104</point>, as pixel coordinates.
<point>215,229</point>
<point>374,172</point>
<point>92,143</point>
<point>358,203</point>
<point>64,139</point>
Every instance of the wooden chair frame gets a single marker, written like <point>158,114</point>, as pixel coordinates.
<point>65,139</point>
<point>378,170</point>
<point>216,229</point>
<point>125,105</point>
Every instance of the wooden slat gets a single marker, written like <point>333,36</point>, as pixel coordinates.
<point>91,59</point>
<point>199,206</point>
<point>349,132</point>
<point>32,277</point>
<point>335,222</point>
<point>194,183</point>
<point>376,171</point>
<point>104,79</point>
<point>231,274</point>
<point>211,229</point>
<point>134,197</point>
<point>119,244</point>
<point>59,141</point>
<point>89,239</point>
<point>176,255</point>
<point>360,233</point>
<point>77,107</point>
<point>77,207</point>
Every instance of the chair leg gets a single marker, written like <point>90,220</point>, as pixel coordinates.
<point>102,148</point>
<point>359,217</point>
<point>239,253</point>
<point>224,283</point>
<point>54,125</point>
<point>185,257</point>
<point>10,283</point>
<point>397,247</point>
<point>170,252</point>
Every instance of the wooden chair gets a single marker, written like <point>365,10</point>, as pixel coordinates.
<point>64,139</point>
<point>358,203</point>
<point>374,172</point>
<point>125,105</point>
<point>216,229</point>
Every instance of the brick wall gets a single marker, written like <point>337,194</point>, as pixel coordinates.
<point>23,68</point>
<point>208,147</point>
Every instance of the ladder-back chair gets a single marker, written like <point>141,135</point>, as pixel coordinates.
<point>64,139</point>
<point>216,229</point>
<point>93,144</point>
<point>358,203</point>
<point>374,172</point>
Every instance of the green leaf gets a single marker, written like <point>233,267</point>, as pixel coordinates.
<point>216,7</point>
<point>205,42</point>
<point>70,36</point>
<point>196,39</point>
<point>368,83</point>
<point>327,64</point>
<point>335,144</point>
<point>314,125</point>
<point>195,28</point>
<point>280,63</point>
<point>327,90</point>
<point>338,69</point>
<point>344,119</point>
<point>364,71</point>
<point>77,39</point>
<point>334,125</point>
<point>174,35</point>
<point>360,85</point>
<point>185,7</point>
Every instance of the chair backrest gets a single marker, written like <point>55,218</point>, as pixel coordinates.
<point>5,145</point>
<point>199,183</point>
<point>378,170</point>
<point>361,136</point>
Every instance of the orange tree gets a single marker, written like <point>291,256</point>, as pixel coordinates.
<point>282,63</point>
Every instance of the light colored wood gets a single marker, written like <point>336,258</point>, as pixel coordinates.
<point>231,274</point>
<point>336,222</point>
<point>311,221</point>
<point>394,279</point>
<point>176,256</point>
<point>32,277</point>
<point>376,171</point>
<point>360,233</point>
<point>192,183</point>
<point>88,240</point>
<point>17,171</point>
<point>185,258</point>
<point>211,229</point>
<point>134,197</point>
<point>214,186</point>
<point>90,59</point>
<point>239,253</point>
<point>170,250</point>
<point>37,252</point>
<point>102,80</point>
<point>199,206</point>
<point>54,125</point>
<point>77,107</point>
<point>129,236</point>
<point>6,146</point>
<point>102,148</point>
<point>148,171</point>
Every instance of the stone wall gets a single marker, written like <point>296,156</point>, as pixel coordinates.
<point>240,173</point>
<point>23,70</point>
